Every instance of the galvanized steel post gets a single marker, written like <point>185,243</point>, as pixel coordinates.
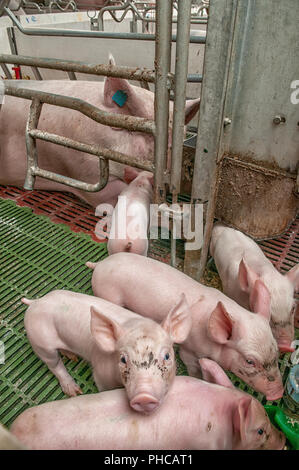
<point>210,127</point>
<point>162,63</point>
<point>181,71</point>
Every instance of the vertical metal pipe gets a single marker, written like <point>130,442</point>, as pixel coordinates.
<point>34,114</point>
<point>220,33</point>
<point>36,73</point>
<point>181,71</point>
<point>6,71</point>
<point>162,64</point>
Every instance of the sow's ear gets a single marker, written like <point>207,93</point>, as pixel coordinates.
<point>105,331</point>
<point>178,321</point>
<point>129,101</point>
<point>191,108</point>
<point>213,373</point>
<point>293,276</point>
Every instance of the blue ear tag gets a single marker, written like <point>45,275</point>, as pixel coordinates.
<point>120,97</point>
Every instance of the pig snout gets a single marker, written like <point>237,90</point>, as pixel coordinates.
<point>276,440</point>
<point>284,339</point>
<point>144,403</point>
<point>285,346</point>
<point>274,392</point>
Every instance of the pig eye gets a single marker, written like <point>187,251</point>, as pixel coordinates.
<point>123,359</point>
<point>250,362</point>
<point>260,431</point>
<point>166,357</point>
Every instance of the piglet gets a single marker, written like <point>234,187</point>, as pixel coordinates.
<point>130,218</point>
<point>124,348</point>
<point>244,268</point>
<point>195,415</point>
<point>240,341</point>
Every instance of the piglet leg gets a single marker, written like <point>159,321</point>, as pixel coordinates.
<point>55,364</point>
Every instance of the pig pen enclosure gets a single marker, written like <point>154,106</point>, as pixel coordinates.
<point>239,159</point>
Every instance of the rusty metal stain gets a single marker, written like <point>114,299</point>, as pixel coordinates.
<point>257,200</point>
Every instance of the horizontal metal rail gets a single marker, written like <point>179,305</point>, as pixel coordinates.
<point>92,149</point>
<point>72,67</point>
<point>129,73</point>
<point>130,123</point>
<point>92,34</point>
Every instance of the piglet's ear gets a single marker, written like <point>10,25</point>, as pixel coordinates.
<point>260,299</point>
<point>220,324</point>
<point>213,373</point>
<point>178,321</point>
<point>242,418</point>
<point>293,276</point>
<point>246,276</point>
<point>105,331</point>
<point>130,174</point>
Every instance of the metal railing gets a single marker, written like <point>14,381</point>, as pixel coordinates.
<point>164,82</point>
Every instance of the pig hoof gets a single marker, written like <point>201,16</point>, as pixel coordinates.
<point>71,389</point>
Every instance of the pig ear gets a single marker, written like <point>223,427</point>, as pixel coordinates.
<point>242,417</point>
<point>105,331</point>
<point>178,322</point>
<point>293,276</point>
<point>128,101</point>
<point>246,276</point>
<point>260,299</point>
<point>213,373</point>
<point>220,324</point>
<point>191,108</point>
<point>130,174</point>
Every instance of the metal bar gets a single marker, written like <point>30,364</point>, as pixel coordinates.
<point>217,59</point>
<point>6,71</point>
<point>194,78</point>
<point>108,119</point>
<point>181,71</point>
<point>70,181</point>
<point>162,61</point>
<point>130,73</point>
<point>93,149</point>
<point>91,34</point>
<point>72,75</point>
<point>32,163</point>
<point>33,169</point>
<point>36,73</point>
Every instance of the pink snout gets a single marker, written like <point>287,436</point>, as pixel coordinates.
<point>144,403</point>
<point>285,346</point>
<point>275,395</point>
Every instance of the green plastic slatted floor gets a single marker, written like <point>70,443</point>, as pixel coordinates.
<point>37,256</point>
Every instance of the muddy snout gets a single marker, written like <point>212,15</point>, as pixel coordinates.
<point>144,403</point>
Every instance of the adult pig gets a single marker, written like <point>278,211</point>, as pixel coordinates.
<point>130,218</point>
<point>69,123</point>
<point>241,263</point>
<point>124,348</point>
<point>195,415</point>
<point>222,330</point>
